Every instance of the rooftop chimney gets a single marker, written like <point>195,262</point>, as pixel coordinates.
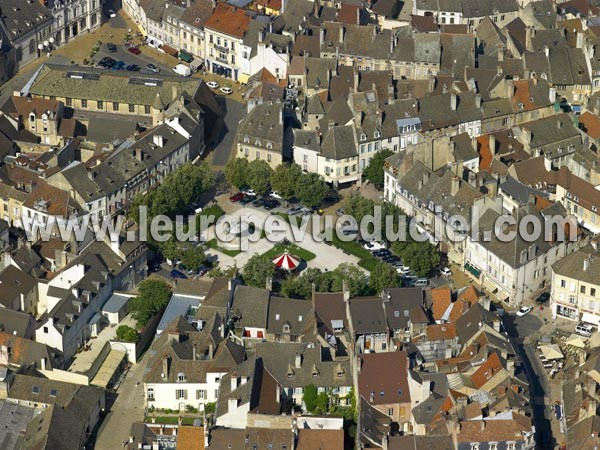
<point>453,102</point>
<point>455,186</point>
<point>586,264</point>
<point>158,140</point>
<point>298,361</point>
<point>165,364</point>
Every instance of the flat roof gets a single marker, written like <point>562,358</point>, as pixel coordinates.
<point>115,303</point>
<point>108,368</point>
<point>179,305</point>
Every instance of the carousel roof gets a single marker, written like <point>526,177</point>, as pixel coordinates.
<point>286,261</point>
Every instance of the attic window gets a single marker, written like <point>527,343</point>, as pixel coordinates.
<point>363,137</point>
<point>181,376</point>
<point>299,318</point>
<point>35,389</point>
<point>396,313</point>
<point>53,392</point>
<point>277,316</point>
<point>381,394</point>
<point>399,391</point>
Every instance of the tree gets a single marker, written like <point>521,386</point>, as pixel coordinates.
<point>259,176</point>
<point>285,179</point>
<point>311,189</point>
<point>322,402</point>
<point>236,172</point>
<point>257,269</point>
<point>358,206</point>
<point>383,276</point>
<point>193,257</point>
<point>421,257</point>
<point>374,171</point>
<point>310,397</point>
<point>153,296</point>
<point>181,188</point>
<point>127,334</point>
<point>355,279</point>
<point>301,286</point>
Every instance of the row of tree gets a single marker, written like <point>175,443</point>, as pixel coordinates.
<point>153,296</point>
<point>287,180</point>
<point>260,267</point>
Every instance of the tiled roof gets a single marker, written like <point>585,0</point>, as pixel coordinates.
<point>384,376</point>
<point>229,20</point>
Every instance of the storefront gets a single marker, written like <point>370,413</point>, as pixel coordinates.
<point>566,312</point>
<point>221,70</point>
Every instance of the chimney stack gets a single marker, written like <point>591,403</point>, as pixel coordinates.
<point>211,351</point>
<point>453,102</point>
<point>165,365</point>
<point>298,361</point>
<point>455,186</point>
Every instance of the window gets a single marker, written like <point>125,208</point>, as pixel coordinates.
<point>181,394</point>
<point>390,412</point>
<point>100,104</point>
<point>150,394</point>
<point>181,376</point>
<point>216,393</point>
<point>201,394</point>
<point>35,389</point>
<point>115,106</point>
<point>146,109</point>
<point>593,292</point>
<point>474,446</point>
<point>46,330</point>
<point>563,283</point>
<point>53,392</point>
<point>84,103</point>
<point>511,445</point>
<point>69,101</point>
<point>131,108</point>
<point>582,289</point>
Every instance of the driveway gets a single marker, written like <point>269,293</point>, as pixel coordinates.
<point>126,409</point>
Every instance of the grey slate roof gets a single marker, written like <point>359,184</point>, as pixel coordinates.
<point>21,17</point>
<point>339,142</point>
<point>264,124</point>
<point>250,306</point>
<point>297,314</point>
<point>368,315</point>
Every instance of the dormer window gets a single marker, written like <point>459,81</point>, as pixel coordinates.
<point>363,137</point>
<point>32,117</point>
<point>377,134</point>
<point>181,376</point>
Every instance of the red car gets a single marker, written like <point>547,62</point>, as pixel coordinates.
<point>134,50</point>
<point>236,197</point>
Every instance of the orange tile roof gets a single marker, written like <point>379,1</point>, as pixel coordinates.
<point>590,123</point>
<point>229,20</point>
<point>487,370</point>
<point>522,95</point>
<point>485,156</point>
<point>441,331</point>
<point>320,439</point>
<point>441,298</point>
<point>271,4</point>
<point>190,438</point>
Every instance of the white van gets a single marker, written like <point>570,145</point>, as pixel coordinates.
<point>183,70</point>
<point>421,282</point>
<point>584,329</point>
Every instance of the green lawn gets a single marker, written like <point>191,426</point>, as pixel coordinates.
<point>367,260</point>
<point>278,249</point>
<point>215,245</point>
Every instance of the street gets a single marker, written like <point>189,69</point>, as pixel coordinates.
<point>128,407</point>
<point>523,333</point>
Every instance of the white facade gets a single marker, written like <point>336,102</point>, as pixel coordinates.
<point>179,395</point>
<point>73,17</point>
<point>223,54</point>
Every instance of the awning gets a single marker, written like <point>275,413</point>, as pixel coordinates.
<point>592,319</point>
<point>472,270</point>
<point>169,50</point>
<point>108,368</point>
<point>575,341</point>
<point>551,351</point>
<point>489,285</point>
<point>184,56</point>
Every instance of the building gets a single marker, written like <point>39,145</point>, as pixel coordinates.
<point>382,381</point>
<point>224,37</point>
<point>260,134</point>
<point>73,17</point>
<point>575,290</point>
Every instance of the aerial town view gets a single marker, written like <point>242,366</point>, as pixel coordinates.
<point>299,224</point>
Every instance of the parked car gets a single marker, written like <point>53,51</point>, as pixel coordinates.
<point>381,252</point>
<point>403,270</point>
<point>340,211</point>
<point>119,65</point>
<point>213,85</point>
<point>107,62</point>
<point>134,50</point>
<point>236,197</point>
<point>111,47</point>
<point>178,274</point>
<point>275,195</point>
<point>524,311</point>
<point>111,13</point>
<point>420,282</point>
<point>132,68</point>
<point>543,298</point>
<point>247,199</point>
<point>258,202</point>
<point>446,272</point>
<point>248,191</point>
<point>374,246</point>
<point>271,204</point>
<point>152,68</point>
<point>584,329</point>
<point>183,70</point>
<point>294,210</point>
<point>226,90</point>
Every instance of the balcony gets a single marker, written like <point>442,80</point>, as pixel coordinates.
<point>221,49</point>
<point>222,60</point>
